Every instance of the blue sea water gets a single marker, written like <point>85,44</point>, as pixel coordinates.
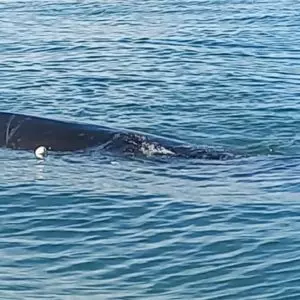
<point>214,73</point>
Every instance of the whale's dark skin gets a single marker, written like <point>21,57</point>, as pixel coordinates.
<point>24,132</point>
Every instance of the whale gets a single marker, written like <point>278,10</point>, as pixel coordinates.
<point>27,132</point>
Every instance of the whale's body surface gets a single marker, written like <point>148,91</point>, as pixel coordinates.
<point>24,132</point>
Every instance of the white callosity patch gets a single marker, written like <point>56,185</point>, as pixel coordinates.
<point>136,143</point>
<point>154,149</point>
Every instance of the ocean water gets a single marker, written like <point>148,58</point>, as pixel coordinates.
<point>216,73</point>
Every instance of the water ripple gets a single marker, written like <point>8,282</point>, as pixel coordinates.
<point>221,74</point>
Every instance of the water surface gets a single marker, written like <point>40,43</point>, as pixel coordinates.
<point>216,73</point>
